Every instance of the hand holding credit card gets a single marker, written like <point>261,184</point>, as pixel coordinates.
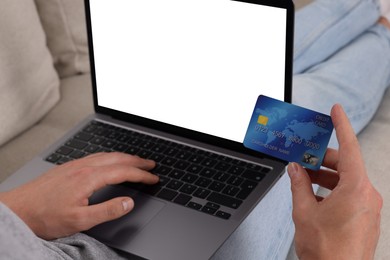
<point>289,132</point>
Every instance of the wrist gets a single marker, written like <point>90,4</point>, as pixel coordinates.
<point>335,248</point>
<point>20,208</point>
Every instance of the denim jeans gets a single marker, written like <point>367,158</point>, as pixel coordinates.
<point>341,56</point>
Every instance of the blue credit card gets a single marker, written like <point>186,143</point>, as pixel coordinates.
<point>289,132</point>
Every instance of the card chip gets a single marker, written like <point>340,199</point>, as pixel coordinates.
<point>262,120</point>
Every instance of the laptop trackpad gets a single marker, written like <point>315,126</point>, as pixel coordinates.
<point>120,232</point>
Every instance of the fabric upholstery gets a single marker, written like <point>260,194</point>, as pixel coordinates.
<point>29,86</point>
<point>64,25</point>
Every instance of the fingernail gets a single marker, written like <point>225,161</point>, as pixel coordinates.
<point>292,169</point>
<point>126,204</point>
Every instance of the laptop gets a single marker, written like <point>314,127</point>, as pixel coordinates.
<point>176,81</point>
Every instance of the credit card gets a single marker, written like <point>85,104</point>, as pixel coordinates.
<point>289,132</point>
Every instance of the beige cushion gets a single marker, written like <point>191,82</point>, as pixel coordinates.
<point>64,24</point>
<point>29,85</point>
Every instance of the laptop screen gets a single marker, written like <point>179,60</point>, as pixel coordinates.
<point>195,64</point>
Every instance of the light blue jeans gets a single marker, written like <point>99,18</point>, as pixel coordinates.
<point>341,56</point>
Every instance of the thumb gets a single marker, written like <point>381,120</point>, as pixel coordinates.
<point>303,196</point>
<point>109,210</point>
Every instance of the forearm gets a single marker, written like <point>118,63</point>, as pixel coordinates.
<point>17,240</point>
<point>26,212</point>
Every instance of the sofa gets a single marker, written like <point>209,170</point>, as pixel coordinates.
<point>45,88</point>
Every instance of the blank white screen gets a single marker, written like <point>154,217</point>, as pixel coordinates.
<point>197,64</point>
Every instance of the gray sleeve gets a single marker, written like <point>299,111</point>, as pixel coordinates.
<point>17,241</point>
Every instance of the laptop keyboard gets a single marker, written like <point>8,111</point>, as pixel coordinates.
<point>195,178</point>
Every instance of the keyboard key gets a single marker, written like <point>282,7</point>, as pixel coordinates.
<point>123,138</point>
<point>77,154</point>
<point>64,150</point>
<point>76,144</point>
<point>203,182</point>
<point>182,165</point>
<point>53,158</point>
<point>254,167</point>
<point>194,205</point>
<point>121,147</point>
<point>183,155</point>
<point>146,145</point>
<point>113,135</point>
<point>208,162</point>
<point>169,161</point>
<point>83,136</point>
<point>208,210</point>
<point>161,170</point>
<point>246,188</point>
<point>226,159</point>
<point>235,181</point>
<point>189,178</point>
<point>201,193</point>
<point>177,174</point>
<point>182,199</point>
<point>196,158</point>
<point>134,141</point>
<point>64,160</point>
<point>208,173</point>
<point>171,152</point>
<point>220,176</point>
<point>174,184</point>
<point>222,166</point>
<point>92,148</point>
<point>224,200</point>
<point>223,215</point>
<point>159,148</point>
<point>90,129</point>
<point>156,157</point>
<point>167,194</point>
<point>217,186</point>
<point>231,190</point>
<point>212,205</point>
<point>188,188</point>
<point>253,175</point>
<point>97,140</point>
<point>144,154</point>
<point>108,144</point>
<point>241,164</point>
<point>194,168</point>
<point>132,150</point>
<point>163,181</point>
<point>102,132</point>
<point>236,170</point>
